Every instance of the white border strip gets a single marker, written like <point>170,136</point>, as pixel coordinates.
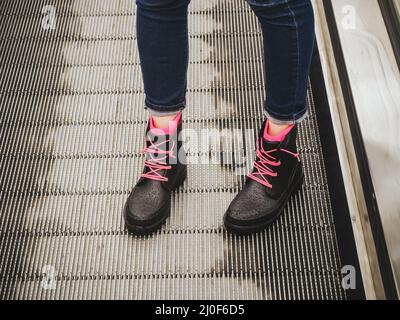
<point>355,196</point>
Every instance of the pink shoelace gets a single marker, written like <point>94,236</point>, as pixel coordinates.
<point>265,163</point>
<point>157,164</point>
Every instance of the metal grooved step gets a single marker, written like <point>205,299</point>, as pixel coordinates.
<point>72,124</point>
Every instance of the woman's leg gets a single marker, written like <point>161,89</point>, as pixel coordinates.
<point>288,38</point>
<point>162,37</point>
<point>288,32</point>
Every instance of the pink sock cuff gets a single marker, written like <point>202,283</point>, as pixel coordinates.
<point>173,125</point>
<point>278,138</point>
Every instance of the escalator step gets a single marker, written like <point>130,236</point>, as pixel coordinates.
<point>72,124</point>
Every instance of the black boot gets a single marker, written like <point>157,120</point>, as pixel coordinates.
<point>149,203</point>
<point>276,176</point>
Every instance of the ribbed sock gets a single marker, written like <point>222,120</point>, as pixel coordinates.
<point>171,128</point>
<point>278,138</point>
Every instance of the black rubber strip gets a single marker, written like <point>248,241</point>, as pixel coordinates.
<point>392,22</point>
<point>341,214</point>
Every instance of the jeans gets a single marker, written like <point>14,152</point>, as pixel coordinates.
<point>288,38</point>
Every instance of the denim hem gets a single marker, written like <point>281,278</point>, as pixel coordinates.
<point>277,119</point>
<point>164,110</point>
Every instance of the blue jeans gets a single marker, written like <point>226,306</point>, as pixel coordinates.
<point>288,38</point>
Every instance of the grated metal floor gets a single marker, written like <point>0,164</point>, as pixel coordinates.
<point>72,123</point>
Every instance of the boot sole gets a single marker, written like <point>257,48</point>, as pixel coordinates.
<point>260,226</point>
<point>143,230</point>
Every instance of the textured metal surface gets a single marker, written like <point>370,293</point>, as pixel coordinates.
<point>72,124</point>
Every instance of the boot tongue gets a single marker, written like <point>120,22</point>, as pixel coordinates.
<point>157,144</point>
<point>266,145</point>
<point>162,145</point>
<point>162,138</point>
